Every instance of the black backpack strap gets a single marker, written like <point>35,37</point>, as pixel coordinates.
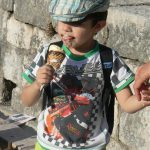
<point>47,96</point>
<point>108,93</point>
<point>107,62</point>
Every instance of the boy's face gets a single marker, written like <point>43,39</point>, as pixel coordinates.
<point>78,35</point>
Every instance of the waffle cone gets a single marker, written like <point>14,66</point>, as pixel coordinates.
<point>55,56</point>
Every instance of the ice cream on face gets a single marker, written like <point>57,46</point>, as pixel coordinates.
<point>55,56</point>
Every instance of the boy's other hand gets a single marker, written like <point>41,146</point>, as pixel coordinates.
<point>44,75</point>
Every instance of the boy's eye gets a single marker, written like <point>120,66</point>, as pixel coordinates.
<point>77,23</point>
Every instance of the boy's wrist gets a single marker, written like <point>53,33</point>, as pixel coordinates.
<point>37,85</point>
<point>145,103</point>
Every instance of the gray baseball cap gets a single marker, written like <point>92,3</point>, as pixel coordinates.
<point>75,10</point>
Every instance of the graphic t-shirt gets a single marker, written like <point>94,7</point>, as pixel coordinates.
<point>76,118</point>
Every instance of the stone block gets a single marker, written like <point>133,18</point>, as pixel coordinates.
<point>134,129</point>
<point>128,31</point>
<point>129,2</point>
<point>33,12</point>
<point>38,38</point>
<point>1,75</point>
<point>19,34</point>
<point>0,3</point>
<point>8,5</point>
<point>116,145</point>
<point>1,87</point>
<point>12,60</point>
<point>4,15</point>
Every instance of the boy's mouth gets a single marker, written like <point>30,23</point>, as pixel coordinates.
<point>67,38</point>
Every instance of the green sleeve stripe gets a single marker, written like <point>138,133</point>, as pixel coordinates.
<point>38,146</point>
<point>124,85</point>
<point>27,78</point>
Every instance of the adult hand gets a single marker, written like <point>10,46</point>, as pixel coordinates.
<point>141,77</point>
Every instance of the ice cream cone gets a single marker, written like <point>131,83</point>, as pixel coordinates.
<point>55,56</point>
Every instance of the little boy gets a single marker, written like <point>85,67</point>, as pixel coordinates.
<point>75,118</point>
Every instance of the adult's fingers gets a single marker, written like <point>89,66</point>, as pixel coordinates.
<point>137,84</point>
<point>141,77</point>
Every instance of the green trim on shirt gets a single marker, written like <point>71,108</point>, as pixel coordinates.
<point>85,56</point>
<point>38,146</point>
<point>131,79</point>
<point>24,75</point>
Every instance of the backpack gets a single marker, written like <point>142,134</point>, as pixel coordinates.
<point>108,93</point>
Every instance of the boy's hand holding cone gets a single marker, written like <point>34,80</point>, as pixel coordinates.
<point>54,60</point>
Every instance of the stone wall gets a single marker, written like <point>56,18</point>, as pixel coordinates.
<point>23,25</point>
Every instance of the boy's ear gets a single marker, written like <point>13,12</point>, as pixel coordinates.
<point>100,25</point>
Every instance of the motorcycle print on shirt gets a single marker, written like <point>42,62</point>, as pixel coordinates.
<point>69,116</point>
